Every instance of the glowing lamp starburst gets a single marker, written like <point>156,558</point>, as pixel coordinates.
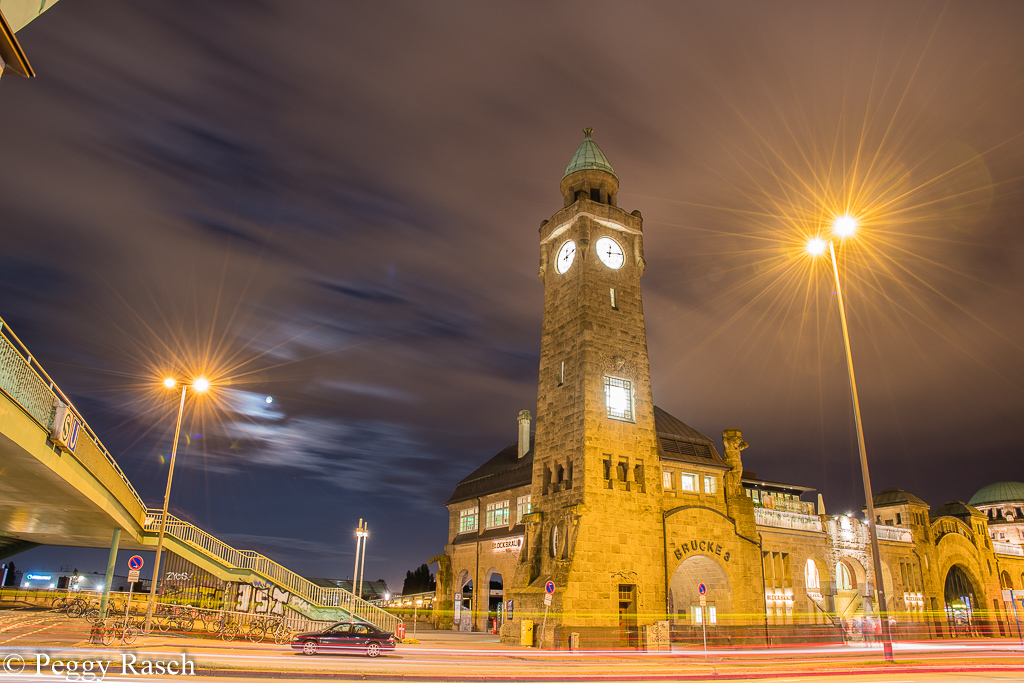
<point>201,384</point>
<point>816,246</point>
<point>169,382</point>
<point>844,226</point>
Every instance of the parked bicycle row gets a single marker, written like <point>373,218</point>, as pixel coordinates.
<point>172,618</point>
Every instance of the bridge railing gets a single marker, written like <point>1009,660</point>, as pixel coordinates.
<point>28,384</point>
<point>317,596</point>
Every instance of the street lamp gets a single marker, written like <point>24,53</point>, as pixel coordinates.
<point>845,226</point>
<point>357,578</point>
<point>199,385</point>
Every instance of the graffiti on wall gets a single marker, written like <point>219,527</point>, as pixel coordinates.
<point>261,597</point>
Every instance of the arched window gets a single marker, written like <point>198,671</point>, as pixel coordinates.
<point>844,581</point>
<point>811,579</point>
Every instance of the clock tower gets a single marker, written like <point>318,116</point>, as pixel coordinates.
<point>596,524</point>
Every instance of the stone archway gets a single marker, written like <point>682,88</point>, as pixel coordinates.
<point>464,605</point>
<point>961,603</point>
<point>684,596</point>
<point>493,592</point>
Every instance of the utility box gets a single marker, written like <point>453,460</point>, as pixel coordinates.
<point>526,633</point>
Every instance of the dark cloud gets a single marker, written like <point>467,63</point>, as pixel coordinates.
<point>339,205</point>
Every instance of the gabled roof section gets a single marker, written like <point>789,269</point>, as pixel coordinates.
<point>679,441</point>
<point>504,471</point>
<point>588,156</point>
<point>15,61</point>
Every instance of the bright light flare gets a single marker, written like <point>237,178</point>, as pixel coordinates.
<point>169,382</point>
<point>816,246</point>
<point>201,384</point>
<point>844,226</point>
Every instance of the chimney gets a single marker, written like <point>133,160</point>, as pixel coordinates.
<point>524,433</point>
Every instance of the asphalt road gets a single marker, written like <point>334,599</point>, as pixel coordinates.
<point>39,646</point>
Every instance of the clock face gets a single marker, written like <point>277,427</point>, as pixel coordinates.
<point>565,256</point>
<point>610,253</point>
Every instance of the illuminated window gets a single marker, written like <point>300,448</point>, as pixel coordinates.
<point>666,479</point>
<point>811,579</point>
<point>688,482</point>
<point>709,484</point>
<point>613,298</point>
<point>522,507</point>
<point>497,514</point>
<point>618,394</point>
<point>467,520</point>
<point>844,579</point>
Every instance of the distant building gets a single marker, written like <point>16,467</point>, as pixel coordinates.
<point>626,513</point>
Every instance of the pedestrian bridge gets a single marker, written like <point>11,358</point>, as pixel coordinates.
<point>59,485</point>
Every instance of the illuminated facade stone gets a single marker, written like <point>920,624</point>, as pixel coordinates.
<point>631,510</point>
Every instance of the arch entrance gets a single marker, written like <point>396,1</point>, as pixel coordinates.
<point>684,596</point>
<point>495,599</point>
<point>463,617</point>
<point>961,603</point>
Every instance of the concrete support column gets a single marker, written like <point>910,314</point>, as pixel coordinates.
<point>111,560</point>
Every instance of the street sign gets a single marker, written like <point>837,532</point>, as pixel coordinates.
<point>549,587</point>
<point>547,599</point>
<point>135,562</point>
<point>702,588</point>
<point>133,576</point>
<point>703,601</point>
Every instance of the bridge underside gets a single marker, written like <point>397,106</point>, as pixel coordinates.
<point>37,505</point>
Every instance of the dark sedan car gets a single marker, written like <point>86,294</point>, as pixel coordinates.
<point>345,637</point>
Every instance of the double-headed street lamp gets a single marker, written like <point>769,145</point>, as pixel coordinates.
<point>199,385</point>
<point>845,226</point>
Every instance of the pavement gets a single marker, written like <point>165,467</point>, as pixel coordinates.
<point>459,656</point>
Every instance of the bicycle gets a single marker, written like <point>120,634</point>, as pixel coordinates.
<point>257,630</point>
<point>279,631</point>
<point>169,615</point>
<point>228,630</point>
<point>117,629</point>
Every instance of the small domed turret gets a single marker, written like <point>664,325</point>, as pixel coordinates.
<point>589,175</point>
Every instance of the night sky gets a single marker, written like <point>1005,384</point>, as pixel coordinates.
<point>337,204</point>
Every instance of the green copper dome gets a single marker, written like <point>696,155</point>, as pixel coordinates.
<point>1000,492</point>
<point>589,156</point>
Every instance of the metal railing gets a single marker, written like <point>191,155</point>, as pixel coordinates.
<point>786,520</point>
<point>893,533</point>
<point>1004,548</point>
<point>32,389</point>
<point>317,596</point>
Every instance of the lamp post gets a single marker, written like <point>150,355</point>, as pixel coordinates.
<point>357,579</point>
<point>844,226</point>
<point>199,385</point>
<point>415,615</point>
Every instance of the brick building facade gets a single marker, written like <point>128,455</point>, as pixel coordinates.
<point>628,510</point>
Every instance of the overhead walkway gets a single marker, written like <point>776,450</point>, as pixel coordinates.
<point>59,485</point>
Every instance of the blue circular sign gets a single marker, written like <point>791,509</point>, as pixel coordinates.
<point>135,562</point>
<point>549,587</point>
<point>702,588</point>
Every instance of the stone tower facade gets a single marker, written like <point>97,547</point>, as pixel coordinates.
<point>595,526</point>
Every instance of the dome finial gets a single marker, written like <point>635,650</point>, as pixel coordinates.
<point>588,131</point>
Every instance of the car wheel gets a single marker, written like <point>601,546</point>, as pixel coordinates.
<point>309,647</point>
<point>372,650</point>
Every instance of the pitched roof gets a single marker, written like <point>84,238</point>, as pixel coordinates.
<point>676,441</point>
<point>955,508</point>
<point>588,156</point>
<point>679,441</point>
<point>502,472</point>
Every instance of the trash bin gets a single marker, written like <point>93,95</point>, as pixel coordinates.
<point>526,633</point>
